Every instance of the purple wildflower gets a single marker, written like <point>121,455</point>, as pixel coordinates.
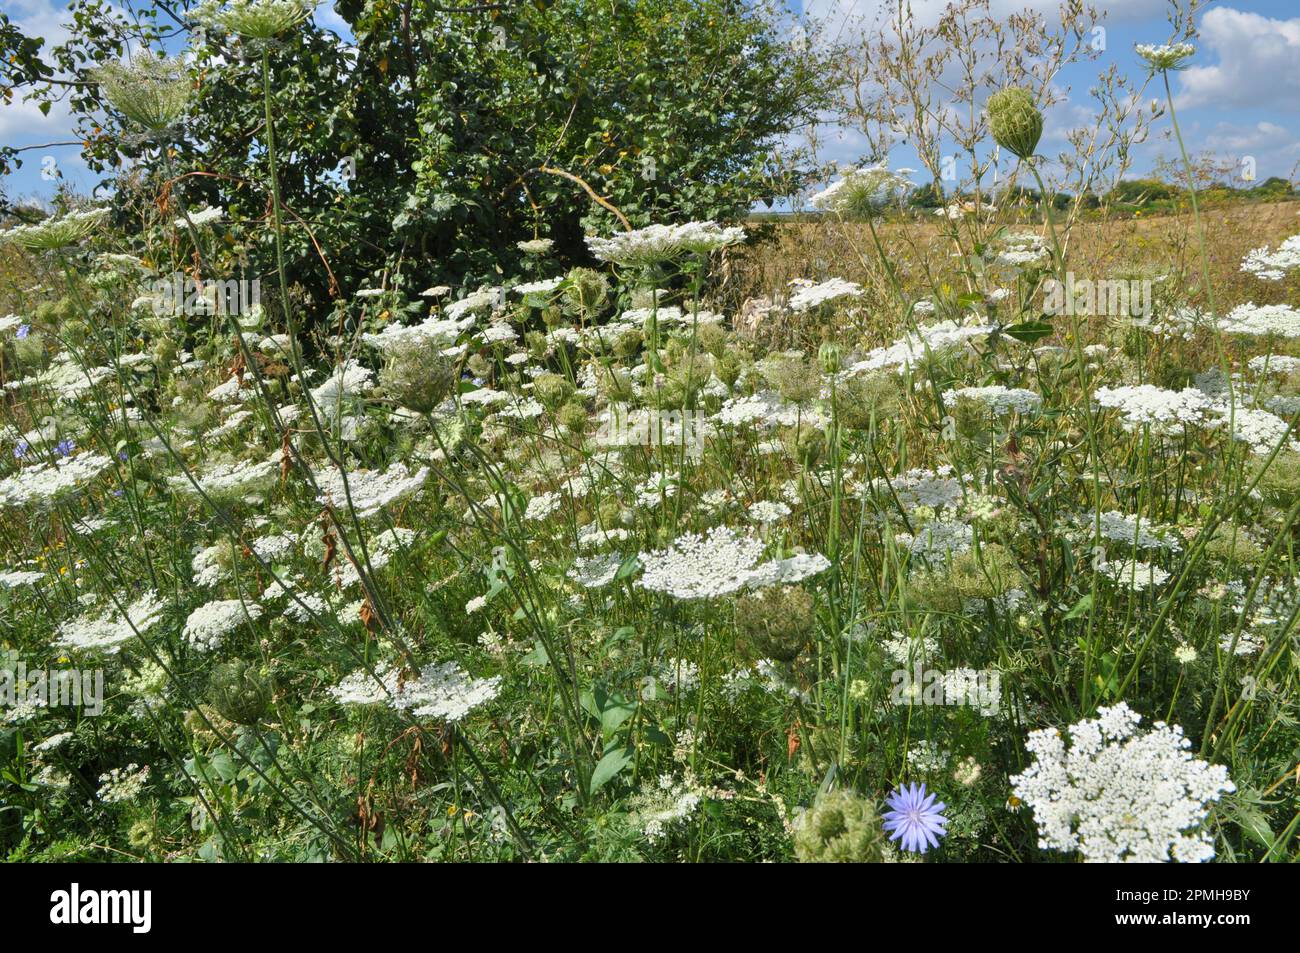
<point>21,448</point>
<point>23,331</point>
<point>915,818</point>
<point>65,448</point>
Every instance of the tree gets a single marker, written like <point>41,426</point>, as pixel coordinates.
<point>429,146</point>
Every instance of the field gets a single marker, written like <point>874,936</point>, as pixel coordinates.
<point>511,582</point>
<point>875,538</point>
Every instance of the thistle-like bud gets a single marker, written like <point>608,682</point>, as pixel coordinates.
<point>585,291</point>
<point>151,91</point>
<point>830,355</point>
<point>777,622</point>
<point>239,692</point>
<point>1015,121</point>
<point>417,376</point>
<point>840,828</point>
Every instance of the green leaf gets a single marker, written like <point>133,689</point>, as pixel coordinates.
<point>614,715</point>
<point>609,766</point>
<point>1082,606</point>
<point>1029,331</point>
<point>630,565</point>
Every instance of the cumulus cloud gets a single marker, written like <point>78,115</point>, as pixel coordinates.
<point>1259,62</point>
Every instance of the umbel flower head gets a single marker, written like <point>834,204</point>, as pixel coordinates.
<point>863,192</point>
<point>1167,56</point>
<point>840,828</point>
<point>254,19</point>
<point>656,244</point>
<point>58,231</point>
<point>1015,121</point>
<point>151,91</point>
<point>1119,792</point>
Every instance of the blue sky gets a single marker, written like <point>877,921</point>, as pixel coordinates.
<point>1240,97</point>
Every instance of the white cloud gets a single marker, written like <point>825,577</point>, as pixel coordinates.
<point>1259,62</point>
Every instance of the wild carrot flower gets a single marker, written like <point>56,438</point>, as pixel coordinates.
<point>1166,56</point>
<point>255,19</point>
<point>152,91</point>
<point>1119,792</point>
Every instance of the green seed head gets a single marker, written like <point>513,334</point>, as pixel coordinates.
<point>1015,121</point>
<point>239,692</point>
<point>840,828</point>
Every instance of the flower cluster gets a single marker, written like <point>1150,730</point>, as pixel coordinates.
<point>1118,792</point>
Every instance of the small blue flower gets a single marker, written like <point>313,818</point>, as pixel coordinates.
<point>21,448</point>
<point>64,448</point>
<point>915,818</point>
<point>23,331</point>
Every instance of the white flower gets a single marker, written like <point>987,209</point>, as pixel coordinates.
<point>858,190</point>
<point>200,217</point>
<point>545,286</point>
<point>370,490</point>
<point>938,540</point>
<point>364,688</point>
<point>107,634</point>
<point>347,380</point>
<point>240,478</point>
<point>701,567</point>
<point>1133,530</point>
<point>445,692</point>
<point>596,572</point>
<point>1020,249</point>
<point>810,296</point>
<point>1000,400</point>
<point>535,246</point>
<point>920,487</point>
<point>1164,410</point>
<point>767,512</point>
<point>542,506</point>
<point>928,340</point>
<point>122,784</point>
<point>796,568</point>
<point>44,482</point>
<point>1165,56</point>
<point>209,624</point>
<point>1262,320</point>
<point>1261,430</point>
<point>53,742</point>
<point>1134,573</point>
<point>14,578</point>
<point>1273,265</point>
<point>1118,793</point>
<point>659,243</point>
